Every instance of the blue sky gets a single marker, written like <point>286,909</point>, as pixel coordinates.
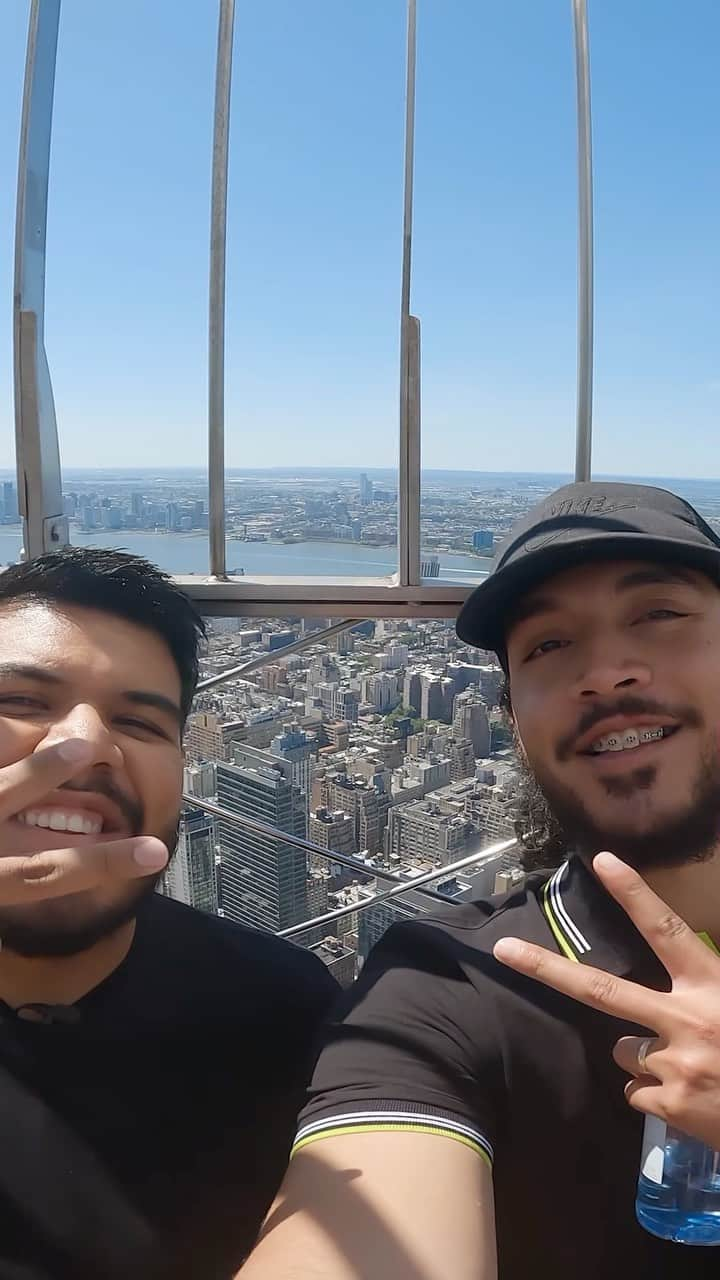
<point>315,232</point>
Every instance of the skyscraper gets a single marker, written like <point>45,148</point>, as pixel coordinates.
<point>430,567</point>
<point>470,720</point>
<point>137,504</point>
<point>294,745</point>
<point>435,697</point>
<point>367,805</point>
<point>263,879</point>
<point>412,690</point>
<point>381,690</point>
<point>191,877</point>
<point>209,737</point>
<point>420,833</point>
<point>462,758</point>
<point>366,490</point>
<point>333,831</point>
<point>199,779</point>
<point>344,642</point>
<point>345,704</point>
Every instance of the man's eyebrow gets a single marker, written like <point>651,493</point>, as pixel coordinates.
<point>144,698</point>
<point>649,576</point>
<point>140,697</point>
<point>656,574</point>
<point>25,671</point>
<point>529,607</point>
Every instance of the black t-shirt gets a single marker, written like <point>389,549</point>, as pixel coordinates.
<point>148,1137</point>
<point>437,1036</point>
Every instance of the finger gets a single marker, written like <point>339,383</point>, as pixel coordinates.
<point>29,779</point>
<point>651,1098</point>
<point>53,873</point>
<point>646,1094</point>
<point>593,987</point>
<point>672,940</point>
<point>627,1055</point>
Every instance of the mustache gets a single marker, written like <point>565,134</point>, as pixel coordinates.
<point>630,705</point>
<point>132,811</point>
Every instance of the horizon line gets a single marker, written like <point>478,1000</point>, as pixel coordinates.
<point>357,470</point>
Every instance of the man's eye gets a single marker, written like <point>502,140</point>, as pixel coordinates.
<point>659,615</point>
<point>144,725</point>
<point>545,646</point>
<point>17,700</point>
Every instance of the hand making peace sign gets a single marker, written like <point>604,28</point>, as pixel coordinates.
<point>676,1072</point>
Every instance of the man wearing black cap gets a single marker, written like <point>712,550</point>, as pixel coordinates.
<point>465,1121</point>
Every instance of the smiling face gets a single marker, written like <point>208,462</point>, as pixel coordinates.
<point>81,673</point>
<point>615,686</point>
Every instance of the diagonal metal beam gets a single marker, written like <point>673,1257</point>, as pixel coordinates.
<point>276,655</point>
<point>418,883</point>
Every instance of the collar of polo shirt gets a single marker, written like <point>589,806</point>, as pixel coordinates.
<point>590,928</point>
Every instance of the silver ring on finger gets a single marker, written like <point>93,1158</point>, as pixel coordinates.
<point>643,1051</point>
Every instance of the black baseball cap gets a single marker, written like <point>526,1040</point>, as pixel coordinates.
<point>579,523</point>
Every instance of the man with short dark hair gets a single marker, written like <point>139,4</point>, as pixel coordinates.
<point>152,1058</point>
<point>465,1121</point>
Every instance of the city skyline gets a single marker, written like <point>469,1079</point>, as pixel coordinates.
<point>315,231</point>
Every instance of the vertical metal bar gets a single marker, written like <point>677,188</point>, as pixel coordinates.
<point>583,440</point>
<point>409,470</point>
<point>37,453</point>
<point>216,334</point>
<point>411,450</point>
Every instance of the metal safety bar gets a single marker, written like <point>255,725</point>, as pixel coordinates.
<point>216,327</point>
<point>307,846</point>
<point>583,439</point>
<point>45,527</point>
<point>38,464</point>
<point>409,463</point>
<point>277,655</point>
<point>387,895</point>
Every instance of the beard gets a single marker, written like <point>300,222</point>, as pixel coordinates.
<point>70,925</point>
<point>562,823</point>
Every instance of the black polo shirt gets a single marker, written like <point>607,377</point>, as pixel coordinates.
<point>438,1037</point>
<point>146,1134</point>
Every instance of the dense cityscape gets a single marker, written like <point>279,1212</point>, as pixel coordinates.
<point>384,744</point>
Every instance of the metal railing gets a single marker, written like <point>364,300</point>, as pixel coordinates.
<point>38,465</point>
<point>307,846</point>
<point>400,884</point>
<point>277,655</point>
<point>417,884</point>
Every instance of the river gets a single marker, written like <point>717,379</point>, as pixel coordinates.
<point>183,554</point>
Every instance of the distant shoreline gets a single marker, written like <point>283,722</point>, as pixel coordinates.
<point>281,542</point>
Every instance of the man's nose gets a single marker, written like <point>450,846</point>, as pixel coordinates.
<point>608,669</point>
<point>85,722</point>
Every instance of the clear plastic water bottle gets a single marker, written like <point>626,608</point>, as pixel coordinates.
<point>678,1195</point>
